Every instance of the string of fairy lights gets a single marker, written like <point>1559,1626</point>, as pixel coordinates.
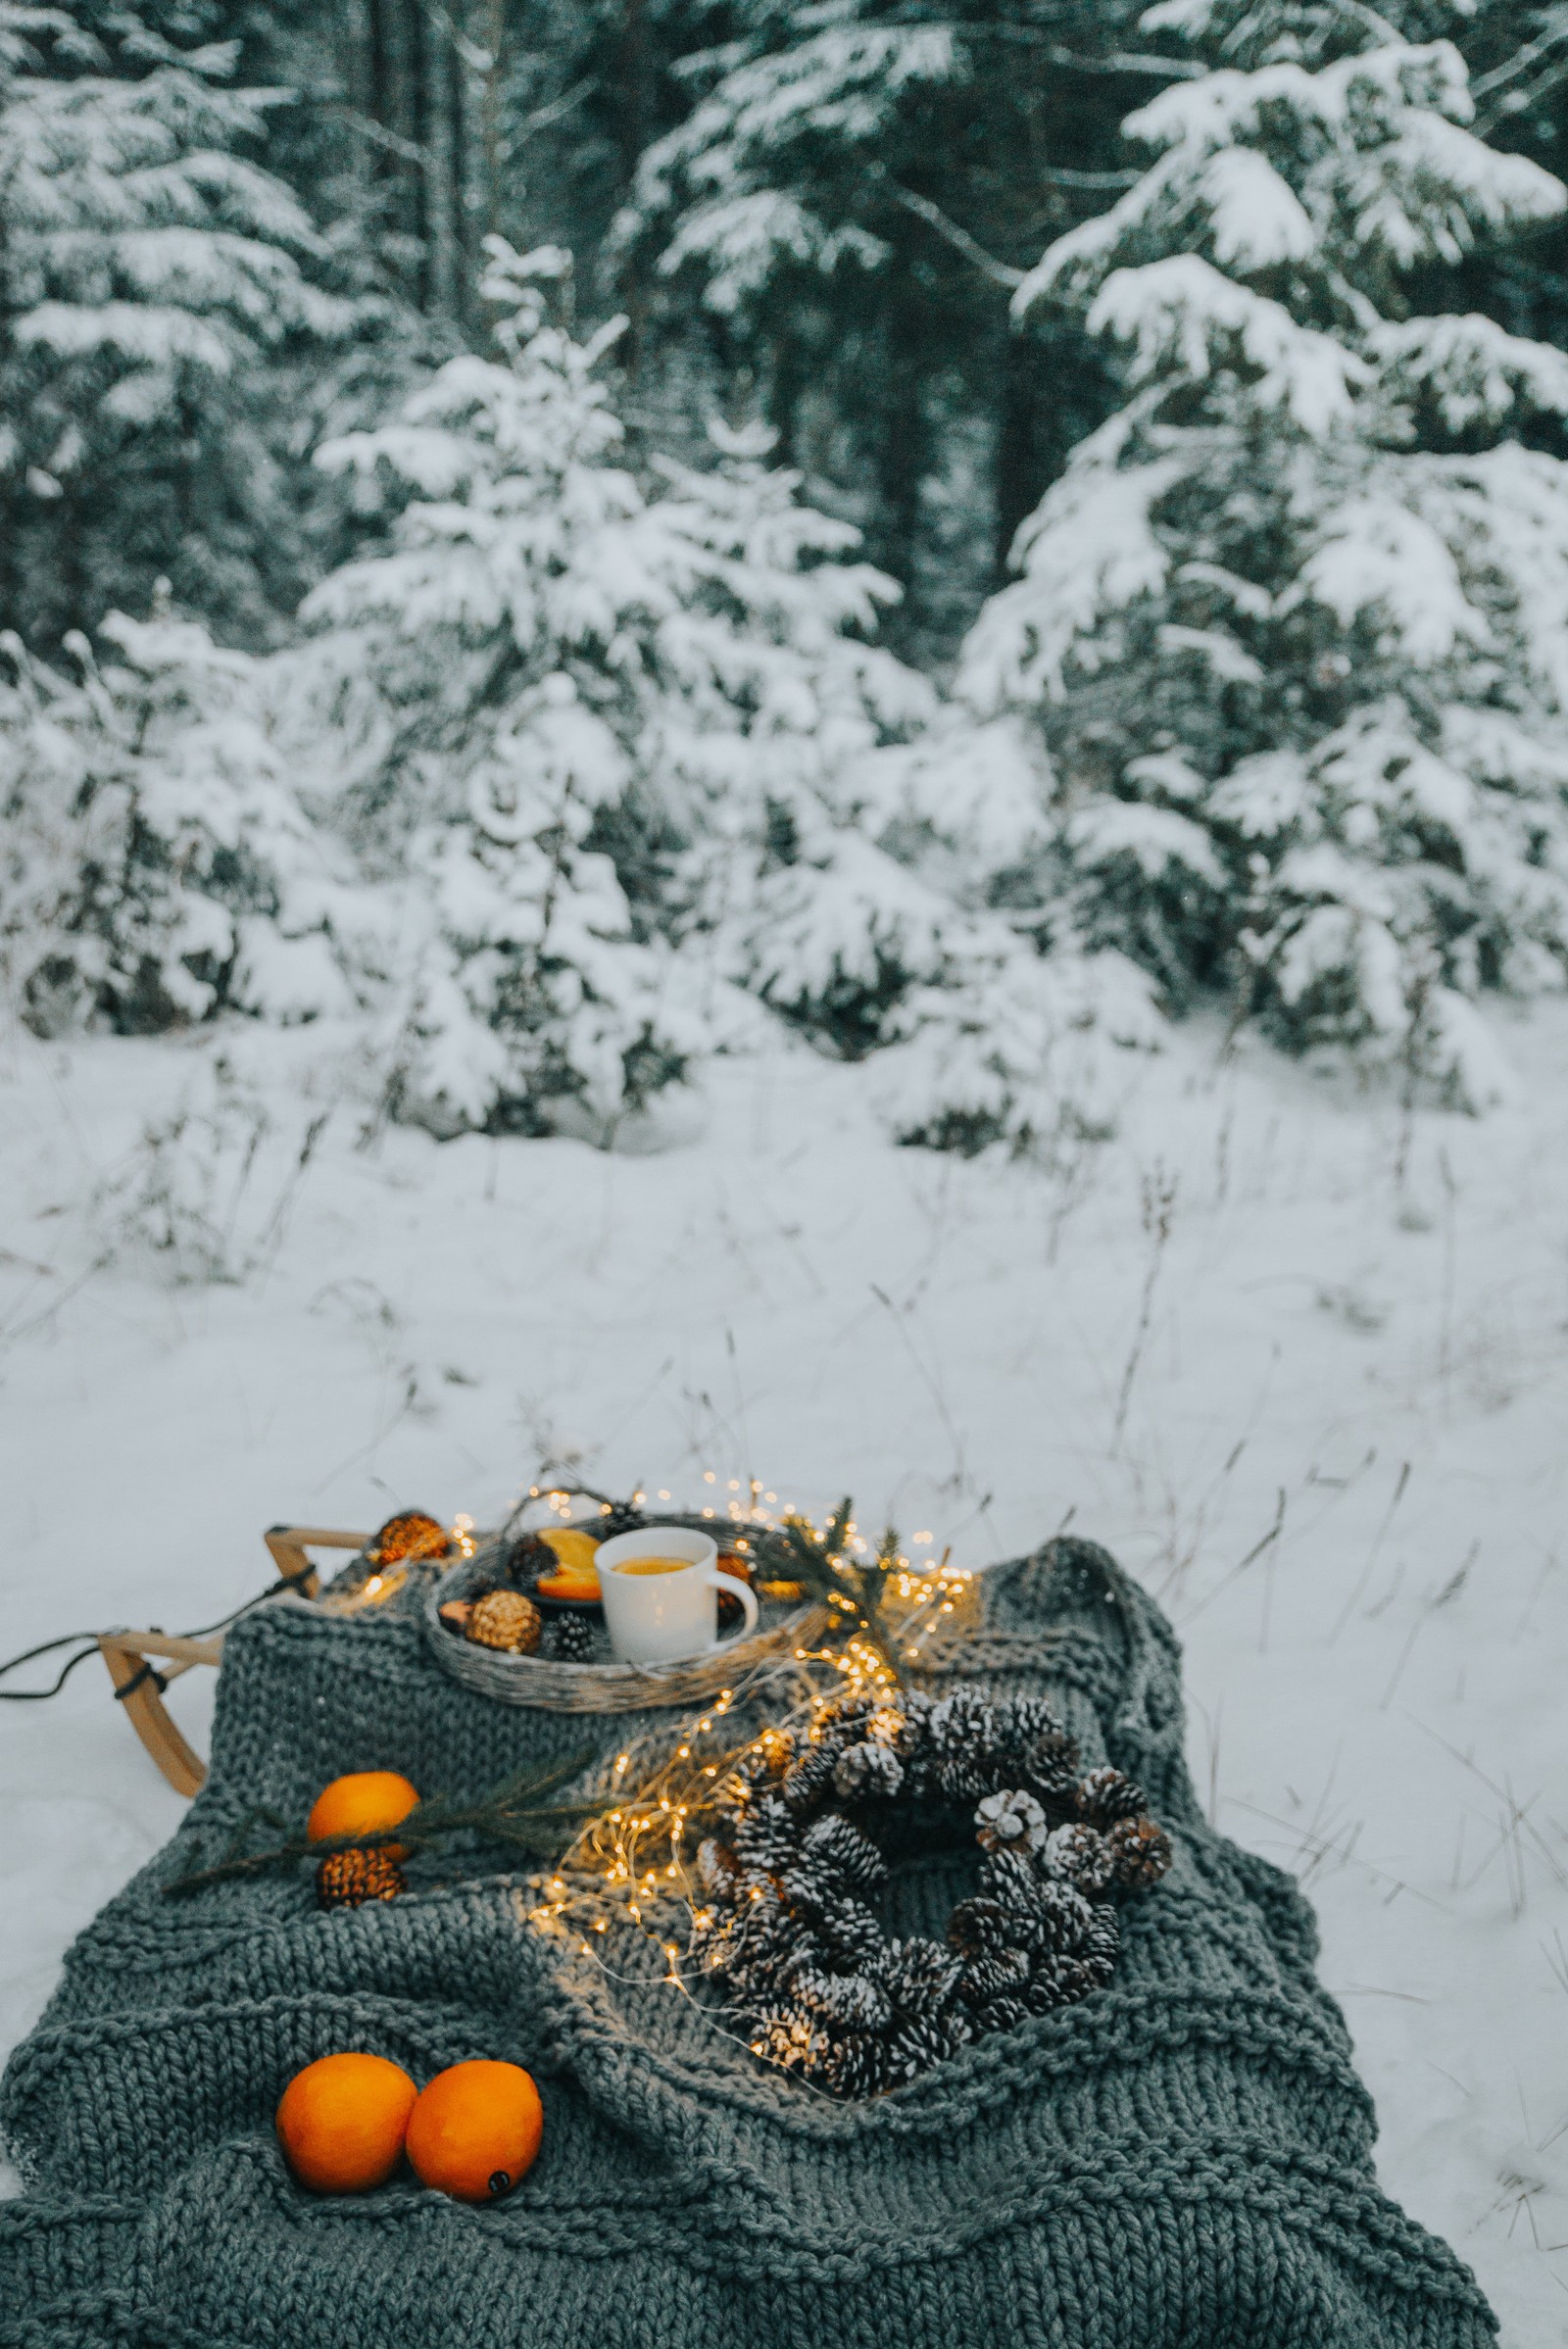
<point>633,1863</point>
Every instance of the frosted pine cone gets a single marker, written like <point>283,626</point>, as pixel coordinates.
<point>918,1975</point>
<point>808,1777</point>
<point>868,1770</point>
<point>1140,1852</point>
<point>718,1869</point>
<point>852,1856</point>
<point>848,2001</point>
<point>988,1977</point>
<point>978,1927</point>
<point>1082,1855</point>
<point>1106,1795</point>
<point>1011,1820</point>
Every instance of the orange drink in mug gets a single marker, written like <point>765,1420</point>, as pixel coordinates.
<point>660,1587</point>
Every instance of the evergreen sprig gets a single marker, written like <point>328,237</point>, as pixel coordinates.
<point>512,1815</point>
<point>855,1590</point>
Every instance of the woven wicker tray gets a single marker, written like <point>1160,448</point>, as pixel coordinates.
<point>606,1688</point>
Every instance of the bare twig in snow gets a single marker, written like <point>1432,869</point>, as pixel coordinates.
<point>1156,1204</point>
<point>1356,1596</point>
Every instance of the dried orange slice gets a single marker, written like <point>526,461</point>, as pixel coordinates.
<point>575,1548</point>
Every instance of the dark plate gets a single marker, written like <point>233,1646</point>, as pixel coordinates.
<point>548,1604</point>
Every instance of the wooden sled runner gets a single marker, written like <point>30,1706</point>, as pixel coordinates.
<point>141,1664</point>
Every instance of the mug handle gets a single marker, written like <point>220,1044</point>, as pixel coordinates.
<point>747,1597</point>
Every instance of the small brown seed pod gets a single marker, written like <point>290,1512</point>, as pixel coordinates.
<point>505,1619</point>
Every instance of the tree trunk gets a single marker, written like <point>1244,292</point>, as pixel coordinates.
<point>495,46</point>
<point>902,455</point>
<point>418,42</point>
<point>1020,475</point>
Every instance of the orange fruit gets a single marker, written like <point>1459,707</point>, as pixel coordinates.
<point>362,1804</point>
<point>476,2129</point>
<point>342,2119</point>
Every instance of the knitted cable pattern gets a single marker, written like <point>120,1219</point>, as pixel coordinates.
<point>1182,2159</point>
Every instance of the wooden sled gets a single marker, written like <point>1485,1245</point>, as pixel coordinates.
<point>141,1664</point>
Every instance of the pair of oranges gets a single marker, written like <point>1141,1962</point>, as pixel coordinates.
<point>346,2121</point>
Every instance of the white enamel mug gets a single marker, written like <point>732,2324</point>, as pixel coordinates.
<point>665,1617</point>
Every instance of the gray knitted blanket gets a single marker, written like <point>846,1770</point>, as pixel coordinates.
<point>1182,2161</point>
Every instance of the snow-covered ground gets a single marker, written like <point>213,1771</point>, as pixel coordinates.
<point>1339,1463</point>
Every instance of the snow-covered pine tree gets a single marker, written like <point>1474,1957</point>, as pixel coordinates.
<point>491,663</point>
<point>149,273</point>
<point>781,706</point>
<point>837,173</point>
<point>547,665</point>
<point>865,860</point>
<point>1294,624</point>
<point>157,865</point>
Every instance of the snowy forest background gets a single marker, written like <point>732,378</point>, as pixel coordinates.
<point>825,740</point>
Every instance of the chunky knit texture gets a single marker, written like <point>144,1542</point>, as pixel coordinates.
<point>1181,2162</point>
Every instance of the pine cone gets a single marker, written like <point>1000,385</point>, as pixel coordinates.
<point>1059,1980</point>
<point>1102,1941</point>
<point>867,1770</point>
<point>918,2043</point>
<point>1050,1757</point>
<point>1056,1918</point>
<point>1000,2014</point>
<point>988,1977</point>
<point>791,2037</point>
<point>835,1842</point>
<point>1106,1795</point>
<point>962,1726</point>
<point>411,1535</point>
<point>529,1558</point>
<point>1010,1820</point>
<point>961,1746</point>
<point>978,1927</point>
<point>572,1639</point>
<point>1023,1718</point>
<point>809,1776</point>
<point>621,1517</point>
<point>919,1976</point>
<point>504,1620</point>
<point>1082,1855</point>
<point>757,1941</point>
<point>852,1931</point>
<point>856,2065</point>
<point>344,1878</point>
<point>1140,1852</point>
<point>1009,1879</point>
<point>717,1869</point>
<point>844,2001</point>
<point>840,1721</point>
<point>766,1836</point>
